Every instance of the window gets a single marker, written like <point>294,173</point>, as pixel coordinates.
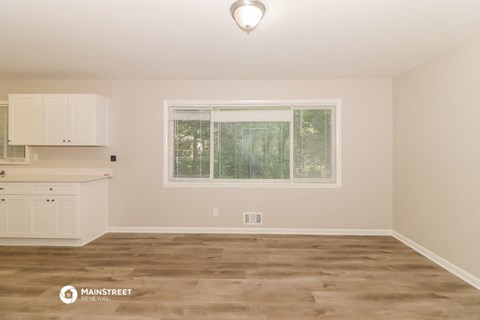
<point>9,154</point>
<point>268,143</point>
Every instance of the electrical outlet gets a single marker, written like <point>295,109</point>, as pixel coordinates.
<point>215,212</point>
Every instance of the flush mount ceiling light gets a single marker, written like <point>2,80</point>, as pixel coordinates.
<point>247,13</point>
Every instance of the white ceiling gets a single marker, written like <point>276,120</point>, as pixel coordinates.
<point>197,39</point>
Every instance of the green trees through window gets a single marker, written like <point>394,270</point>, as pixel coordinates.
<point>9,153</point>
<point>252,150</point>
<point>252,144</point>
<point>312,143</point>
<point>191,142</point>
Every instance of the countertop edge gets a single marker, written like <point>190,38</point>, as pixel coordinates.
<point>52,178</point>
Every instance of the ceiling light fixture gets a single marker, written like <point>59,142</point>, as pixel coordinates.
<point>247,13</point>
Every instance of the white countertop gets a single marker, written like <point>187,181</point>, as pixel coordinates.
<point>53,177</point>
<point>55,174</point>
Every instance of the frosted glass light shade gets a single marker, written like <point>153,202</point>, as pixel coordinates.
<point>247,13</point>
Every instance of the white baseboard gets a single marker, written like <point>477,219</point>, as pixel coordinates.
<point>297,231</point>
<point>459,272</point>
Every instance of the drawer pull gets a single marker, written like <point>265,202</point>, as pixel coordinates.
<point>1,188</point>
<point>48,200</point>
<point>51,189</point>
<point>53,200</point>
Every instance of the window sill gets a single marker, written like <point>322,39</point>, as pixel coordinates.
<point>252,185</point>
<point>13,162</point>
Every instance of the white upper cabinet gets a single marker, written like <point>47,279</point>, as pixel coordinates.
<point>56,118</point>
<point>88,119</point>
<point>62,119</point>
<point>25,119</point>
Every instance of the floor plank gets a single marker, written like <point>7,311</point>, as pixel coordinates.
<point>204,276</point>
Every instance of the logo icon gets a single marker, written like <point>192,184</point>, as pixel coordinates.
<point>68,294</point>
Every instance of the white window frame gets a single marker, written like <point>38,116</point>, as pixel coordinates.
<point>207,183</point>
<point>26,160</point>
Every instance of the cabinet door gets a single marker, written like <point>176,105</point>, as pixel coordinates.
<point>56,119</point>
<point>66,217</point>
<point>2,219</point>
<point>25,119</point>
<point>15,215</point>
<point>82,119</point>
<point>41,222</point>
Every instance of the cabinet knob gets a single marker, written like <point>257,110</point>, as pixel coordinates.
<point>1,188</point>
<point>48,200</point>
<point>53,200</point>
<point>3,200</point>
<point>69,140</point>
<point>51,189</point>
<point>63,140</point>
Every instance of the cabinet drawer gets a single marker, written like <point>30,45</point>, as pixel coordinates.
<point>8,188</point>
<point>53,188</point>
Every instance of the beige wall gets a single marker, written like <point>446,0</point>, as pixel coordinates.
<point>437,155</point>
<point>137,197</point>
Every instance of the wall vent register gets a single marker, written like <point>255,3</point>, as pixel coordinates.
<point>252,218</point>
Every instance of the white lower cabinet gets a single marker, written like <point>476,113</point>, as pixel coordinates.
<point>66,217</point>
<point>13,212</point>
<point>76,211</point>
<point>53,217</point>
<point>41,222</point>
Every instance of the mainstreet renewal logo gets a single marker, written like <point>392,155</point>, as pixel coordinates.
<point>69,294</point>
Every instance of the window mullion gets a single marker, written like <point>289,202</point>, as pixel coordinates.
<point>236,173</point>
<point>212,149</point>
<point>291,143</point>
<point>302,136</point>
<point>175,159</point>
<point>5,133</point>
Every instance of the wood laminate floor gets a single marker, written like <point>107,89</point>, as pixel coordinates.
<point>178,276</point>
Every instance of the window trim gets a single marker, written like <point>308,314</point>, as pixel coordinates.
<point>26,160</point>
<point>207,183</point>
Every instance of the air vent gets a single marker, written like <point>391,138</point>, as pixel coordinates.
<point>252,218</point>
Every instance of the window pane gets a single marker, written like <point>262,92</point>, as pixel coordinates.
<point>3,132</point>
<point>7,151</point>
<point>16,152</point>
<point>251,150</point>
<point>312,140</point>
<point>191,145</point>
